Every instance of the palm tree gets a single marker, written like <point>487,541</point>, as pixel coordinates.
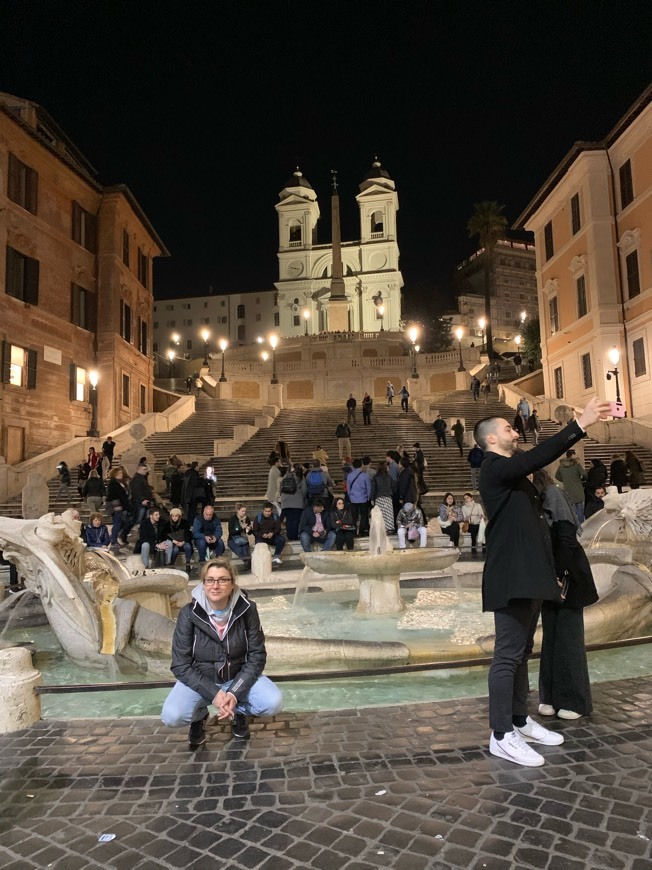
<point>488,223</point>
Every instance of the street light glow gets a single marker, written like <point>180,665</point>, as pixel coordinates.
<point>93,378</point>
<point>518,340</point>
<point>413,333</point>
<point>459,332</point>
<point>482,323</point>
<point>171,355</point>
<point>223,344</point>
<point>614,355</point>
<point>265,356</point>
<point>273,341</point>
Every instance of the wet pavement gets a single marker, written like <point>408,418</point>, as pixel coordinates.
<point>410,787</point>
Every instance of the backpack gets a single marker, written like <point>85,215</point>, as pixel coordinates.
<point>315,482</point>
<point>289,484</point>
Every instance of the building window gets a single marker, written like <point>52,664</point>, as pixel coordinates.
<point>222,303</point>
<point>276,318</point>
<point>559,383</point>
<point>587,372</point>
<point>206,320</point>
<point>186,305</point>
<point>576,222</point>
<point>143,268</point>
<point>640,365</point>
<point>553,313</point>
<point>295,233</point>
<point>143,336</point>
<point>169,307</point>
<point>633,278</point>
<point>125,391</point>
<point>22,277</point>
<point>548,240</point>
<point>170,323</point>
<point>187,321</point>
<point>84,228</point>
<point>155,345</point>
<point>377,225</point>
<point>626,184</point>
<point>125,248</point>
<point>241,332</point>
<point>296,320</point>
<point>143,399</point>
<point>18,366</point>
<point>125,321</point>
<point>82,307</point>
<point>189,344</point>
<point>22,184</point>
<point>580,285</point>
<point>240,312</point>
<point>258,316</point>
<point>77,383</point>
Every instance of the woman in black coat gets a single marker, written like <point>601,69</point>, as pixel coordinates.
<point>564,686</point>
<point>618,472</point>
<point>218,656</point>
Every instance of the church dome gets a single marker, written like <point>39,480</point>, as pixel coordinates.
<point>376,171</point>
<point>298,180</point>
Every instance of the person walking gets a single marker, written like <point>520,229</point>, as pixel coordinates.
<point>635,471</point>
<point>475,388</point>
<point>516,579</point>
<point>618,472</point>
<point>564,685</point>
<point>405,395</point>
<point>519,425</point>
<point>367,408</point>
<point>390,393</point>
<point>534,426</point>
<point>343,435</point>
<point>358,488</point>
<point>440,426</point>
<point>64,480</point>
<point>518,362</point>
<point>474,458</point>
<point>93,491</point>
<point>485,389</point>
<point>458,434</point>
<point>108,449</point>
<point>294,494</point>
<point>524,407</point>
<point>382,490</point>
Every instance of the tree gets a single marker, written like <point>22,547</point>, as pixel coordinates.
<point>531,344</point>
<point>488,223</point>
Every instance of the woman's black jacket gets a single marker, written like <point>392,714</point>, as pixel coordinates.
<point>116,492</point>
<point>570,556</point>
<point>202,661</point>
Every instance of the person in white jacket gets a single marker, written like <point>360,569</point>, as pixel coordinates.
<point>473,514</point>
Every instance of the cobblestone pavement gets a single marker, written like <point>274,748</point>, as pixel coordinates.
<point>409,787</point>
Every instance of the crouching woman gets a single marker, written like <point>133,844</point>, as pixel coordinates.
<point>218,656</point>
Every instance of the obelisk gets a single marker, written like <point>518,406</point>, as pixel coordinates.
<point>338,305</point>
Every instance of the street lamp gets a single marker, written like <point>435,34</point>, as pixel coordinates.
<point>413,334</point>
<point>306,316</point>
<point>205,334</point>
<point>171,356</point>
<point>93,378</point>
<point>459,332</point>
<point>264,356</point>
<point>223,346</point>
<point>518,340</point>
<point>381,311</point>
<point>523,316</point>
<point>273,341</point>
<point>614,356</point>
<point>482,323</point>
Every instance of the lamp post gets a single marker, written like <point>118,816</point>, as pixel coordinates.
<point>614,357</point>
<point>93,378</point>
<point>459,332</point>
<point>205,334</point>
<point>223,346</point>
<point>381,311</point>
<point>413,334</point>
<point>306,316</point>
<point>517,341</point>
<point>482,324</point>
<point>171,355</point>
<point>273,341</point>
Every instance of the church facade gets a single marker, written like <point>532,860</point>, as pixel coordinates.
<point>370,266</point>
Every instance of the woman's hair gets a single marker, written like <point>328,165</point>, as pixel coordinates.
<point>95,516</point>
<point>446,496</point>
<point>240,504</point>
<point>630,456</point>
<point>541,480</point>
<point>381,468</point>
<point>220,562</point>
<point>116,471</point>
<point>93,473</point>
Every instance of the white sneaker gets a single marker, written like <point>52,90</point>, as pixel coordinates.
<point>546,710</point>
<point>568,714</point>
<point>535,733</point>
<point>513,748</point>
<point>276,561</point>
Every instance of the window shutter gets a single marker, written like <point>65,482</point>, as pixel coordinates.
<point>73,382</point>
<point>10,278</point>
<point>76,221</point>
<point>74,304</point>
<point>31,280</point>
<point>13,185</point>
<point>6,362</point>
<point>31,369</point>
<point>91,311</point>
<point>32,191</point>
<point>91,233</point>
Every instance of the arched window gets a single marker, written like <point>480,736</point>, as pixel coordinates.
<point>295,233</point>
<point>240,312</point>
<point>377,223</point>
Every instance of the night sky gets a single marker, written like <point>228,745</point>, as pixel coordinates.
<point>204,109</point>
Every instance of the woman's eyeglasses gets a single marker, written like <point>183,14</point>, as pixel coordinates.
<point>220,581</point>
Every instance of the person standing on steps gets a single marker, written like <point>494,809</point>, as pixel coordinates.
<point>440,426</point>
<point>458,434</point>
<point>108,448</point>
<point>390,393</point>
<point>518,362</point>
<point>350,409</point>
<point>517,579</point>
<point>367,408</point>
<point>474,458</point>
<point>405,395</point>
<point>534,426</point>
<point>475,388</point>
<point>343,435</point>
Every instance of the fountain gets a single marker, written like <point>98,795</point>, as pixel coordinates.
<point>379,569</point>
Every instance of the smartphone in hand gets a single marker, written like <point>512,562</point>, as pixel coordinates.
<point>617,409</point>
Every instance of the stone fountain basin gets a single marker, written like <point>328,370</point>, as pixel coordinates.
<point>391,563</point>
